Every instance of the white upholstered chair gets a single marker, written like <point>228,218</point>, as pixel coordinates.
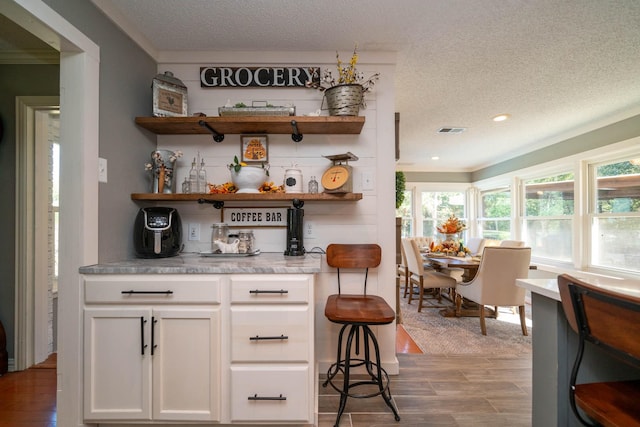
<point>512,243</point>
<point>495,282</point>
<point>421,277</point>
<point>475,246</point>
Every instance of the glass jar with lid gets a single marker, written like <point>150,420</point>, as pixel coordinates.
<point>219,231</point>
<point>247,241</point>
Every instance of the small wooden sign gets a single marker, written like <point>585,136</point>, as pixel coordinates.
<point>255,217</point>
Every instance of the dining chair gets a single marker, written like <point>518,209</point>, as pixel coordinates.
<point>495,282</point>
<point>357,313</point>
<point>512,243</point>
<point>423,277</point>
<point>475,245</point>
<point>609,321</point>
<point>402,271</point>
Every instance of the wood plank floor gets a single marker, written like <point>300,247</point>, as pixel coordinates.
<point>28,398</point>
<point>429,391</point>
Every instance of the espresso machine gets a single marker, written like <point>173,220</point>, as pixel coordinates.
<point>295,229</point>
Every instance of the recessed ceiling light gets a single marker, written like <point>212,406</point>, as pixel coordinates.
<point>435,158</point>
<point>501,117</point>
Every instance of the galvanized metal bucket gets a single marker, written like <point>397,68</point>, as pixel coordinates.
<point>344,100</point>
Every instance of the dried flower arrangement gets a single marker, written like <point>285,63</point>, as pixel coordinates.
<point>347,74</point>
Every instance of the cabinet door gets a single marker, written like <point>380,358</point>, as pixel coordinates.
<point>186,364</point>
<point>117,370</point>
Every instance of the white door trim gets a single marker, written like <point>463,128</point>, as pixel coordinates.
<point>79,124</point>
<point>31,337</point>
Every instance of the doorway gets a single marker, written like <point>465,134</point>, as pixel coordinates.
<point>37,215</point>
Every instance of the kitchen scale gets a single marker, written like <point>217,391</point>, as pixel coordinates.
<point>339,177</point>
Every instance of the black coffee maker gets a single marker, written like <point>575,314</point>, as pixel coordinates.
<point>295,230</point>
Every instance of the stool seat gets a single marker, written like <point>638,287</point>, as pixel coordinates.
<point>363,309</point>
<point>613,403</point>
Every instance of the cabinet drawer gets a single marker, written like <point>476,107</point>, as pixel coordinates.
<point>278,393</point>
<point>272,333</point>
<point>274,288</point>
<point>154,289</point>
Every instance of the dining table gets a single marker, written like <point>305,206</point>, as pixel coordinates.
<point>469,265</point>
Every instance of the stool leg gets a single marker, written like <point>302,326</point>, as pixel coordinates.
<point>385,395</point>
<point>335,368</point>
<point>347,365</point>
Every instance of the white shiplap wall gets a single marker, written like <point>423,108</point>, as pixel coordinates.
<point>368,220</point>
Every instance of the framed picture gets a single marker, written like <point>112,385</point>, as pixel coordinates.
<point>254,148</point>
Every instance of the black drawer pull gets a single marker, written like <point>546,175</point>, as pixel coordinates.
<point>259,338</point>
<point>256,397</point>
<point>259,291</point>
<point>142,344</point>
<point>132,292</point>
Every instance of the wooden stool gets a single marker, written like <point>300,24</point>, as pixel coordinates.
<point>357,313</point>
<point>610,321</point>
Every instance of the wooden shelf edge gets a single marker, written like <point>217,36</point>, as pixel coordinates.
<point>350,125</point>
<point>246,197</point>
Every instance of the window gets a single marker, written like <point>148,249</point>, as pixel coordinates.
<point>436,207</point>
<point>615,214</point>
<point>548,216</point>
<point>405,212</point>
<point>494,218</point>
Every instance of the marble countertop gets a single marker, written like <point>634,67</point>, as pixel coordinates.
<point>192,263</point>
<point>549,287</point>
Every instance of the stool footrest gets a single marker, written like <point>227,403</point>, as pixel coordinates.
<point>382,383</point>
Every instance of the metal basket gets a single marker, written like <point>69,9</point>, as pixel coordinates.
<point>344,100</point>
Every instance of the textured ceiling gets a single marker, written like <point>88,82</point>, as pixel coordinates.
<point>560,68</point>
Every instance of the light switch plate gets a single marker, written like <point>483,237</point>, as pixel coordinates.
<point>102,169</point>
<point>368,182</point>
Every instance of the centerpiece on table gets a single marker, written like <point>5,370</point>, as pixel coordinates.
<point>248,178</point>
<point>344,95</point>
<point>451,245</point>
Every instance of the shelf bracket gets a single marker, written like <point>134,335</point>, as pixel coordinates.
<point>217,137</point>
<point>218,204</point>
<point>297,203</point>
<point>296,135</point>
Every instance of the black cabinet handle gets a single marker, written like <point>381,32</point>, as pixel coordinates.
<point>258,291</point>
<point>153,334</point>
<point>142,344</point>
<point>259,338</point>
<point>132,292</point>
<point>256,397</point>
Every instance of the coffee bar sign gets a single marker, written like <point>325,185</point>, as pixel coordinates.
<point>226,77</point>
<point>255,217</point>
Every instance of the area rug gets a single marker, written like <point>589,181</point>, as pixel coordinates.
<point>436,334</point>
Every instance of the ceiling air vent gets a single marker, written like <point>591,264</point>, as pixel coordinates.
<point>451,130</point>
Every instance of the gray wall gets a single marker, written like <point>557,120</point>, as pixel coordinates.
<point>126,72</point>
<point>15,80</point>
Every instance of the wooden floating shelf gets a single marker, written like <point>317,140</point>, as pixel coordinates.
<point>348,125</point>
<point>247,197</point>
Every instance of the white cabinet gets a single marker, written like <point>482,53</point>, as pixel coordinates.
<point>272,368</point>
<point>199,349</point>
<point>152,348</point>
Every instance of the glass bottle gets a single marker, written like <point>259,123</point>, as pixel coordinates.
<point>202,178</point>
<point>193,177</point>
<point>186,188</point>
<point>313,185</point>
